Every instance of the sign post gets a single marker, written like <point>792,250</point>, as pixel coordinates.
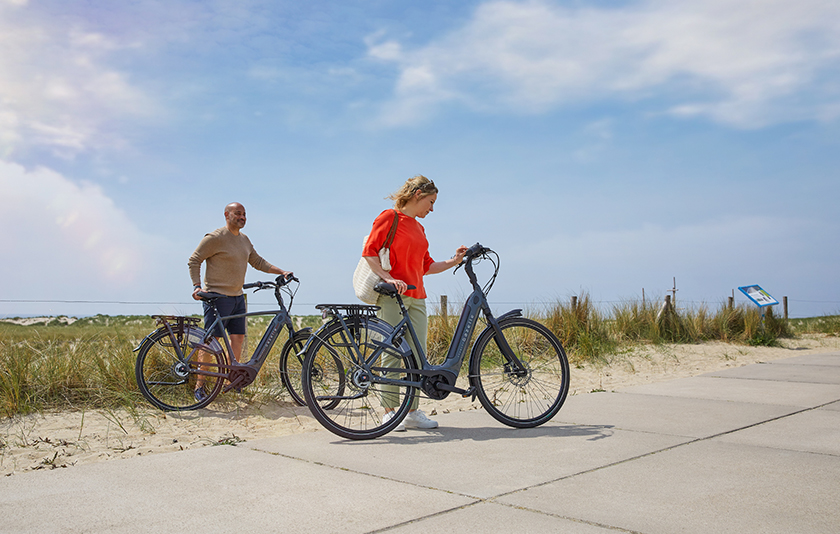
<point>761,298</point>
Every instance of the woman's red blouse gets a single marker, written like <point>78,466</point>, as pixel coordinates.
<point>410,259</point>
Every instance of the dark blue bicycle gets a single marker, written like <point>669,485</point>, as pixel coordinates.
<point>358,368</point>
<point>180,357</point>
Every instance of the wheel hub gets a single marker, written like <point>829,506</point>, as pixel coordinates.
<point>181,370</point>
<point>362,379</point>
<point>516,377</point>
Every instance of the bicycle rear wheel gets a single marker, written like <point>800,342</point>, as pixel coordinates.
<point>291,365</point>
<point>342,392</point>
<point>520,399</point>
<point>169,369</point>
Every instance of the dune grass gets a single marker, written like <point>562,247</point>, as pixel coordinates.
<point>89,364</point>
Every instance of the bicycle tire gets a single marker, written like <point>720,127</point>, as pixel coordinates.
<point>344,400</point>
<point>521,400</point>
<point>291,365</point>
<point>169,381</point>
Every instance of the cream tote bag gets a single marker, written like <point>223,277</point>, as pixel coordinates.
<point>364,278</point>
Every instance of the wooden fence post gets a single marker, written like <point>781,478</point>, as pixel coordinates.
<point>784,302</point>
<point>444,306</point>
<point>574,304</point>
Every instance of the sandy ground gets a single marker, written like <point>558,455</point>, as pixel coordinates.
<point>66,439</point>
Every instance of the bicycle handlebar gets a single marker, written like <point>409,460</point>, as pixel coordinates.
<point>476,250</point>
<point>280,281</point>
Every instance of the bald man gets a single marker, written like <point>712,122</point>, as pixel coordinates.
<point>227,252</point>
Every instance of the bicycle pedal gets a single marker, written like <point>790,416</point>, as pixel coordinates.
<point>470,393</point>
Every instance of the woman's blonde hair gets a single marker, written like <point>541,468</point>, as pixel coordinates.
<point>405,193</point>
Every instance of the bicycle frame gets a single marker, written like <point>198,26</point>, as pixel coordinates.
<point>241,374</point>
<point>281,318</point>
<point>450,369</point>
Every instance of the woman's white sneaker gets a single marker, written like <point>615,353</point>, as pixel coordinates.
<point>390,415</point>
<point>418,419</point>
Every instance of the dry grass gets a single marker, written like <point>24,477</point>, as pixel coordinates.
<point>90,363</point>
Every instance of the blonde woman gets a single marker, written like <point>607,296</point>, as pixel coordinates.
<point>410,262</point>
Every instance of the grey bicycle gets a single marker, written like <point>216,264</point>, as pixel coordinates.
<point>358,368</point>
<point>179,356</point>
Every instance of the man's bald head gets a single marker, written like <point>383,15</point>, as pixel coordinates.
<point>235,217</point>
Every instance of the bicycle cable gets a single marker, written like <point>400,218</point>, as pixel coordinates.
<point>477,260</point>
<point>489,285</point>
<point>291,292</point>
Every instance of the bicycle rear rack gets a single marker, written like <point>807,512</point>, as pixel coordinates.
<point>179,320</point>
<point>177,325</point>
<point>347,310</point>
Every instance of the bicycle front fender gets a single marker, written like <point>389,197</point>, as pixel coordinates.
<point>304,335</point>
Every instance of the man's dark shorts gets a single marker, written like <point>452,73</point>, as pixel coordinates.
<point>226,306</point>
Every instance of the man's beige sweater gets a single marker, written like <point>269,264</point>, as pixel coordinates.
<point>227,257</point>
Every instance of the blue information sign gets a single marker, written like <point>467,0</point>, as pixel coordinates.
<point>758,295</point>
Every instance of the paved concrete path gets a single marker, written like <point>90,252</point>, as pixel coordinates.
<point>754,449</point>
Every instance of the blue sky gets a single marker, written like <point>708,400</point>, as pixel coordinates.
<point>600,147</point>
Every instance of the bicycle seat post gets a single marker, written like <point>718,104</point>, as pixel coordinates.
<point>403,311</point>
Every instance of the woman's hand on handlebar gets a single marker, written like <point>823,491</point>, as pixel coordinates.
<point>459,254</point>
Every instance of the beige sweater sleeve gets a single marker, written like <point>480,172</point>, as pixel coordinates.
<point>205,249</point>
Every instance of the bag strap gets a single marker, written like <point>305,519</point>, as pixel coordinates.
<point>390,239</point>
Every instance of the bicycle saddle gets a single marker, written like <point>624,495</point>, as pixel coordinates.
<point>389,290</point>
<point>209,295</point>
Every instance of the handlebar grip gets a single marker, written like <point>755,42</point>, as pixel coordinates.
<point>475,250</point>
<point>285,279</point>
<point>252,285</point>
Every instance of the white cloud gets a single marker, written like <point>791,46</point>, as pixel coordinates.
<point>59,232</point>
<point>58,90</point>
<point>741,63</point>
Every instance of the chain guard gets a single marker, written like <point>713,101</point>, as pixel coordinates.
<point>240,377</point>
<point>430,386</point>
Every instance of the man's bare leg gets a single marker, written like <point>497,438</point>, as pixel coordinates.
<point>236,343</point>
<point>201,357</point>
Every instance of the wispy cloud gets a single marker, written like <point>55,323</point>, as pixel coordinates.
<point>745,64</point>
<point>58,89</point>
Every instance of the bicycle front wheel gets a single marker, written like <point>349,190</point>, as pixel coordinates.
<point>169,369</point>
<point>344,393</point>
<point>291,365</point>
<point>517,398</point>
